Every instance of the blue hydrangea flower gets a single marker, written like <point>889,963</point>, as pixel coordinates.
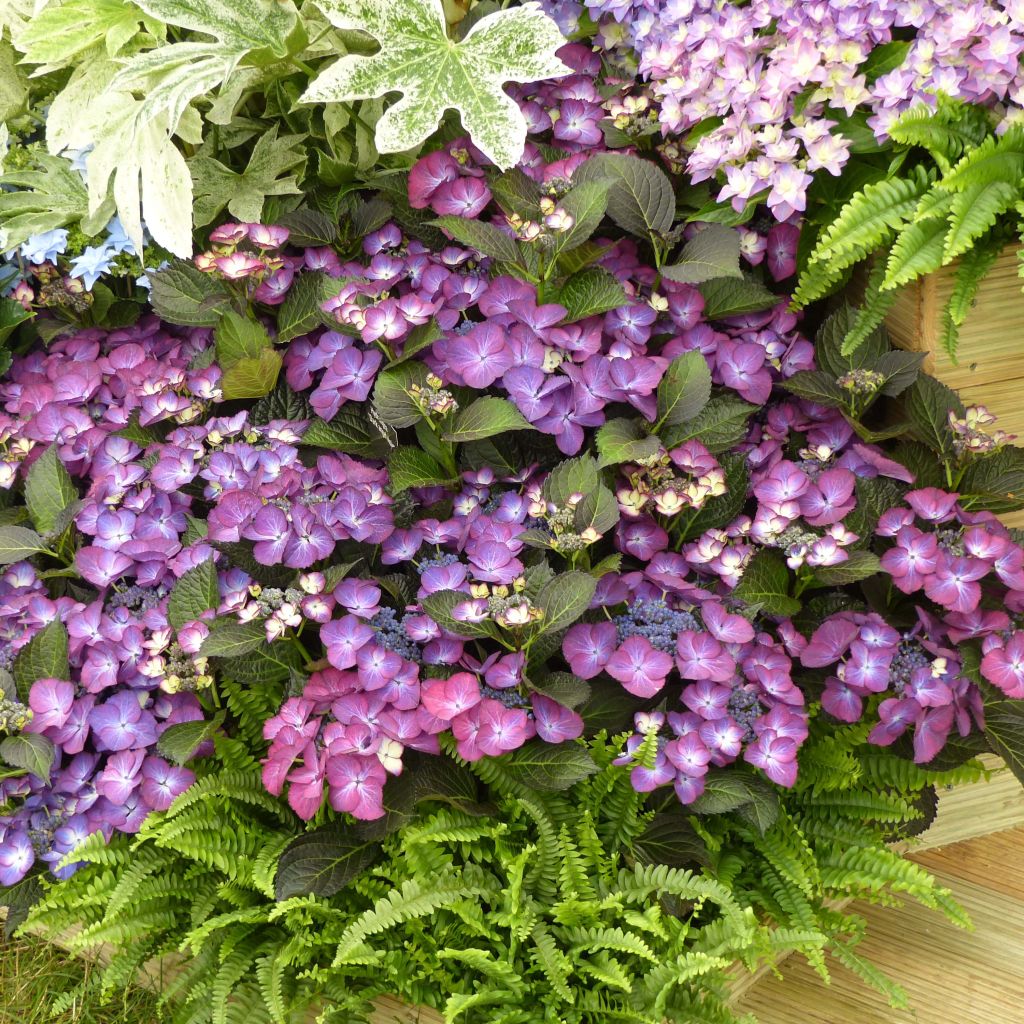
<point>95,261</point>
<point>117,238</point>
<point>45,247</point>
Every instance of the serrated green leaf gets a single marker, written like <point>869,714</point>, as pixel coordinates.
<point>183,294</point>
<point>393,400</point>
<point>194,593</point>
<point>486,417</point>
<point>859,566</point>
<point>323,862</point>
<point>411,467</point>
<point>349,431</point>
<point>479,235</point>
<point>928,404</point>
<point>435,74</point>
<point>590,292</point>
<point>49,490</point>
<point>30,751</point>
<point>684,390</point>
<point>586,204</point>
<point>641,200</point>
<point>564,599</point>
<point>301,310</point>
<point>12,315</point>
<point>729,296</point>
<point>547,768</point>
<point>718,426</point>
<point>765,582</point>
<point>817,386</point>
<point>574,476</point>
<point>563,687</point>
<point>439,607</point>
<point>45,656</point>
<point>251,378</point>
<point>179,742</point>
<point>623,440</point>
<point>56,34</point>
<point>714,252</point>
<point>231,639</point>
<point>18,542</point>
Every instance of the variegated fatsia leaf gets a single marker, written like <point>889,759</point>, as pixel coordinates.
<point>129,118</point>
<point>435,73</point>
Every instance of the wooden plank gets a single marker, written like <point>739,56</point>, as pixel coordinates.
<point>989,349</point>
<point>952,976</point>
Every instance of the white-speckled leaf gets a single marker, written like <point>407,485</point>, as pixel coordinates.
<point>247,24</point>
<point>436,74</point>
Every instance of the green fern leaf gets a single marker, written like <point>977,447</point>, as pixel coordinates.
<point>973,213</point>
<point>552,962</point>
<point>998,158</point>
<point>917,250</point>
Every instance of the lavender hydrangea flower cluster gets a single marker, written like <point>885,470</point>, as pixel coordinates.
<point>771,86</point>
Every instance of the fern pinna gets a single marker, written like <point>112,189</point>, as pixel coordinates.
<point>577,901</point>
<point>952,193</point>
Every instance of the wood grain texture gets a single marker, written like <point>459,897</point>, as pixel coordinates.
<point>991,346</point>
<point>951,976</point>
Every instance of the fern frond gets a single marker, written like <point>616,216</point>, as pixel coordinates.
<point>552,962</point>
<point>867,222</point>
<point>918,249</point>
<point>614,940</point>
<point>484,962</point>
<point>608,971</point>
<point>997,158</point>
<point>572,875</point>
<point>974,265</point>
<point>869,973</point>
<point>873,309</point>
<point>414,899</point>
<point>973,213</point>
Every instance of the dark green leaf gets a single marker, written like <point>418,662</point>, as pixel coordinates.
<point>728,296</point>
<point>12,315</point>
<point>179,742</point>
<point>928,404</point>
<point>18,542</point>
<point>308,228</point>
<point>516,193</point>
<point>670,839</point>
<point>439,607</point>
<point>684,390</point>
<point>547,768</point>
<point>900,370</point>
<point>586,204</point>
<point>641,200</point>
<point>486,417</point>
<point>301,310</point>
<point>393,400</point>
<point>859,566</point>
<point>264,665</point>
<point>714,252</point>
<point>45,656</point>
<point>729,790</point>
<point>194,593</point>
<point>281,404</point>
<point>568,690</point>
<point>884,58</point>
<point>183,294</point>
<point>564,600</point>
<point>480,235</point>
<point>994,482</point>
<point>574,476</point>
<point>411,467</point>
<point>832,337</point>
<point>765,582</point>
<point>419,338</point>
<point>590,292</point>
<point>324,861</point>
<point>718,426</point>
<point>31,751</point>
<point>817,386</point>
<point>625,440</point>
<point>1004,729</point>
<point>49,490</point>
<point>351,432</point>
<point>231,639</point>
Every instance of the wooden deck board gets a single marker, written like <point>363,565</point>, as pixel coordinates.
<point>952,976</point>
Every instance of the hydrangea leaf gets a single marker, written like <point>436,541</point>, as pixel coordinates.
<point>435,73</point>
<point>49,490</point>
<point>217,186</point>
<point>30,751</point>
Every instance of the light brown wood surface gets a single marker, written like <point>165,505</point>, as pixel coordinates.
<point>951,976</point>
